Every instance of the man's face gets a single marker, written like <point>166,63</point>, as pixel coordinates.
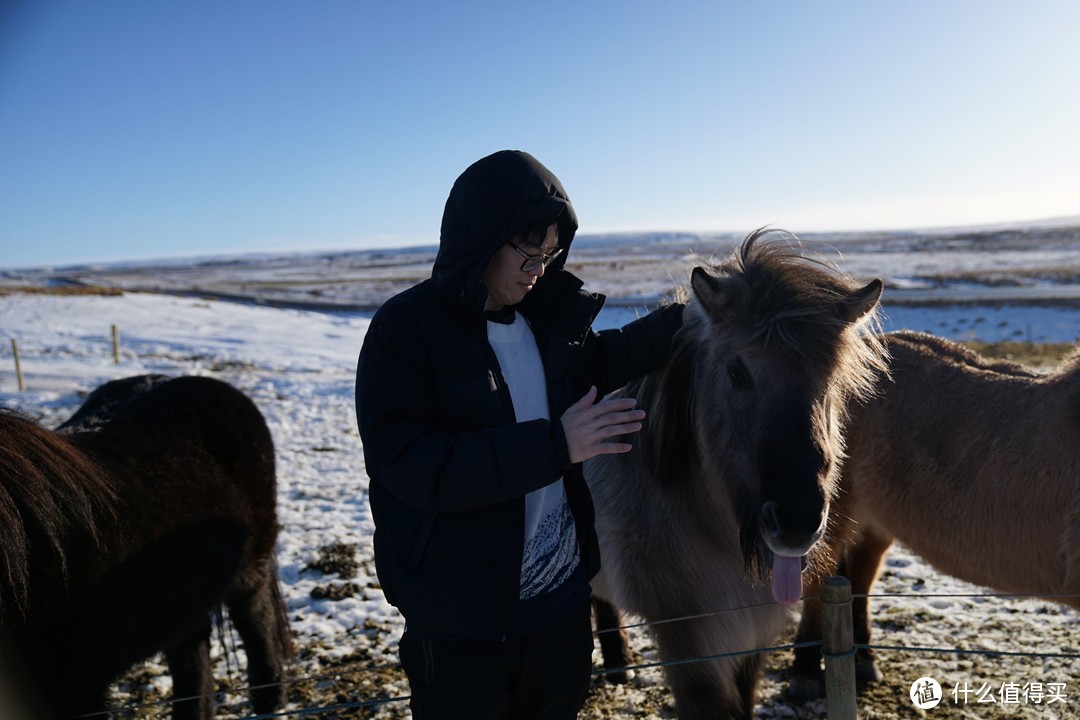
<point>507,283</point>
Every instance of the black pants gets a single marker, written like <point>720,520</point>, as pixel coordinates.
<point>545,675</point>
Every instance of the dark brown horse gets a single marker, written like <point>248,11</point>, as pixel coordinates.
<point>124,530</point>
<point>731,480</point>
<point>972,463</point>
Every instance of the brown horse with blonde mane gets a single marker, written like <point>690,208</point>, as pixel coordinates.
<point>730,481</point>
<point>973,464</point>
<point>122,532</point>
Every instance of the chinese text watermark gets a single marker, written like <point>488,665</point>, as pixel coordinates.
<point>926,693</point>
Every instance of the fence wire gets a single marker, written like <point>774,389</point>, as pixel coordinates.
<point>660,664</point>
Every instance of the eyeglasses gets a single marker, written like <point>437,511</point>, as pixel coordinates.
<point>533,262</point>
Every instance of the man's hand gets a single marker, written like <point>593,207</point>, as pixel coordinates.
<point>587,426</point>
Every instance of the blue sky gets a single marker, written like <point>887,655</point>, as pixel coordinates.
<point>133,129</point>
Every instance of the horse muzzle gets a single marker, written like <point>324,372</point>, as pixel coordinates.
<point>789,542</point>
<point>791,534</point>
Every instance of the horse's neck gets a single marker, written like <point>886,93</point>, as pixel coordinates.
<point>668,442</point>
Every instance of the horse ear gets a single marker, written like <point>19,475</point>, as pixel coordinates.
<point>862,301</point>
<point>709,290</point>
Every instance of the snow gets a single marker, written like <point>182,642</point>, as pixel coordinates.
<point>298,366</point>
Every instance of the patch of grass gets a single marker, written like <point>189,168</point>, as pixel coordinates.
<point>1011,277</point>
<point>64,290</point>
<point>1025,353</point>
<point>337,557</point>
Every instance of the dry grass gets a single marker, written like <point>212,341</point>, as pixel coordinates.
<point>65,290</point>
<point>1011,277</point>
<point>1039,355</point>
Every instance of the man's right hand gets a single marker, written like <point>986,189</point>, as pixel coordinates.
<point>588,424</point>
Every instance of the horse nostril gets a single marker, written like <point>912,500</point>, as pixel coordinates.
<point>798,529</point>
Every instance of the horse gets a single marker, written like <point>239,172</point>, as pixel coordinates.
<point>731,478</point>
<point>124,531</point>
<point>974,464</point>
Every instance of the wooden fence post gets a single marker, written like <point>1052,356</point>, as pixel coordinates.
<point>838,647</point>
<point>115,345</point>
<point>18,365</point>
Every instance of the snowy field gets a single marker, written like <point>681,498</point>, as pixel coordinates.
<point>298,365</point>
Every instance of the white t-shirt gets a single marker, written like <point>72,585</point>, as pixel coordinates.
<point>551,549</point>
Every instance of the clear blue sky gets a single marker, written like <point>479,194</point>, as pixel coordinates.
<point>133,129</point>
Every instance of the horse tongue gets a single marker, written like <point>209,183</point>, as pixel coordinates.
<point>786,579</point>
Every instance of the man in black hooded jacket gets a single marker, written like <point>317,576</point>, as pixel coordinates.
<point>476,401</point>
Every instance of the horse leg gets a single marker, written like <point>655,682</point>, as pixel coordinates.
<point>193,686</point>
<point>861,565</point>
<point>716,689</point>
<point>614,642</point>
<point>261,619</point>
<point>723,689</point>
<point>806,681</point>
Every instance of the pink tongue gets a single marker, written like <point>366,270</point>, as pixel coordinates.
<point>786,579</point>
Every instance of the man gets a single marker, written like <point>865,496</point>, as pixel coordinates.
<point>476,397</point>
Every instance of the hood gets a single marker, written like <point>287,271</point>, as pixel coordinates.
<point>491,202</point>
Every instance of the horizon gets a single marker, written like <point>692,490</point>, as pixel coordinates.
<point>1064,222</point>
<point>133,131</point>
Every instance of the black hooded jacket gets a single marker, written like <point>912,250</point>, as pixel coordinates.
<point>449,465</point>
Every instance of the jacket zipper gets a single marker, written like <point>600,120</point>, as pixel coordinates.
<point>512,582</point>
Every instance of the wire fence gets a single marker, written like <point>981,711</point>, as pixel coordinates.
<point>373,703</point>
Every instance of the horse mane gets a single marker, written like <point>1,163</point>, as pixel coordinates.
<point>1069,371</point>
<point>100,405</point>
<point>49,490</point>
<point>961,355</point>
<point>667,442</point>
<point>1070,364</point>
<point>775,296</point>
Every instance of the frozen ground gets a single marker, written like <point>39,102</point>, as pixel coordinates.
<point>1000,266</point>
<point>298,366</point>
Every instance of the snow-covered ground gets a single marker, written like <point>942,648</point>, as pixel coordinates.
<point>298,366</point>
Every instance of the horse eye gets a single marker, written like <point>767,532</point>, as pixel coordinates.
<point>740,379</point>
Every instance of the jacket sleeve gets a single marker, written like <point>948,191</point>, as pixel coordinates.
<point>408,446</point>
<point>619,356</point>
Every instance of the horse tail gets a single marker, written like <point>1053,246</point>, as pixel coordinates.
<point>281,618</point>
